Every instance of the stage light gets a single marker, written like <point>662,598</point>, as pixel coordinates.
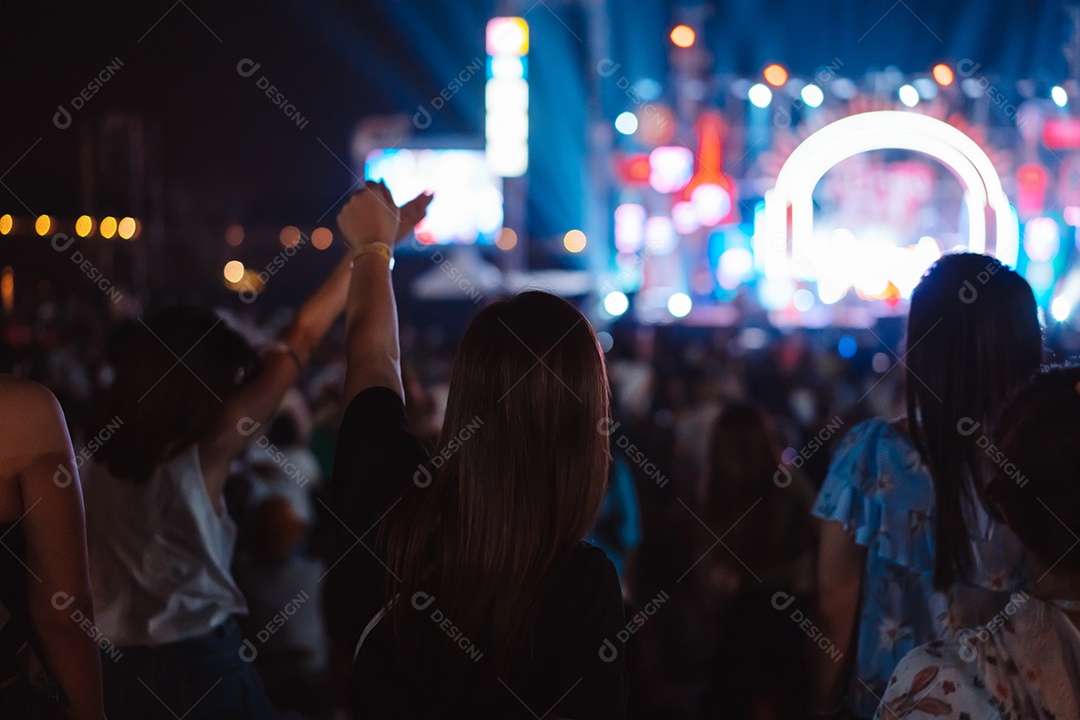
<point>759,95</point>
<point>879,130</point>
<point>574,241</point>
<point>847,347</point>
<point>234,271</point>
<point>660,237</point>
<point>507,67</point>
<point>1061,309</point>
<point>84,226</point>
<point>616,303</point>
<point>289,236</point>
<point>234,235</point>
<point>679,305</point>
<point>943,74</point>
<point>506,98</point>
<point>508,36</point>
<point>507,239</point>
<point>670,168</point>
<point>683,36</point>
<point>107,228</point>
<point>812,95</point>
<point>322,238</point>
<point>42,225</point>
<point>5,224</point>
<point>908,95</point>
<point>775,75</point>
<point>126,228</point>
<point>626,123</point>
<point>1059,96</point>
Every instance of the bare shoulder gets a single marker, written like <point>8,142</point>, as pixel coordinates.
<point>29,413</point>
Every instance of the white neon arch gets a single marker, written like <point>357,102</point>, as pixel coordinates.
<point>882,130</point>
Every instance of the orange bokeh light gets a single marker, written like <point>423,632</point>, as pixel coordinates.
<point>683,36</point>
<point>943,74</point>
<point>775,75</point>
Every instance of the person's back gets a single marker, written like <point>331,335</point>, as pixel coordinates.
<point>44,587</point>
<point>474,593</point>
<point>908,547</point>
<point>1024,662</point>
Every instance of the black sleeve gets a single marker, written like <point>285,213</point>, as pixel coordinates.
<point>593,657</point>
<point>377,458</point>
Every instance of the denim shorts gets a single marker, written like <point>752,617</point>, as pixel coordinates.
<point>202,678</point>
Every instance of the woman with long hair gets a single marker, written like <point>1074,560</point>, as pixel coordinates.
<point>189,395</point>
<point>475,594</point>
<point>908,547</point>
<point>49,663</point>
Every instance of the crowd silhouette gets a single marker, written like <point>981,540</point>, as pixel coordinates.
<point>523,523</point>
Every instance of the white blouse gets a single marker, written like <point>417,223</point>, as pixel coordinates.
<point>160,555</point>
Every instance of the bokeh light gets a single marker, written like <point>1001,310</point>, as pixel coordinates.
<point>289,236</point>
<point>775,75</point>
<point>84,225</point>
<point>322,238</point>
<point>6,222</point>
<point>234,271</point>
<point>108,227</point>
<point>507,239</point>
<point>943,74</point>
<point>683,36</point>
<point>679,305</point>
<point>616,303</point>
<point>1059,96</point>
<point>234,235</point>
<point>42,225</point>
<point>760,95</point>
<point>908,95</point>
<point>626,123</point>
<point>574,241</point>
<point>126,228</point>
<point>812,95</point>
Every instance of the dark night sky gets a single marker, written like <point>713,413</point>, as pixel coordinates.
<point>229,153</point>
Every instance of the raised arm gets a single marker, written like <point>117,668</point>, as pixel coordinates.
<point>38,449</point>
<point>371,224</point>
<point>255,403</point>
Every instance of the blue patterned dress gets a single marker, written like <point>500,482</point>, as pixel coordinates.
<point>882,493</point>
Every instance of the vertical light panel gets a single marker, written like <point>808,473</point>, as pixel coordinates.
<point>506,97</point>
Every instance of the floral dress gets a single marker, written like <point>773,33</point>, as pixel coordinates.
<point>1023,665</point>
<point>882,493</point>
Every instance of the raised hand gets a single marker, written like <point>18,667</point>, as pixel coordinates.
<point>412,213</point>
<point>370,216</point>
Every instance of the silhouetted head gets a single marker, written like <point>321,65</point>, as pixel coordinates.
<point>973,337</point>
<point>1037,481</point>
<point>174,371</point>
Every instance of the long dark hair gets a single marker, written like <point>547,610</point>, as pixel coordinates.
<point>1037,480</point>
<point>173,373</point>
<point>524,477</point>
<point>973,337</point>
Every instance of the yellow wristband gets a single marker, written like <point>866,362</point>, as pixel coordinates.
<point>381,249</point>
